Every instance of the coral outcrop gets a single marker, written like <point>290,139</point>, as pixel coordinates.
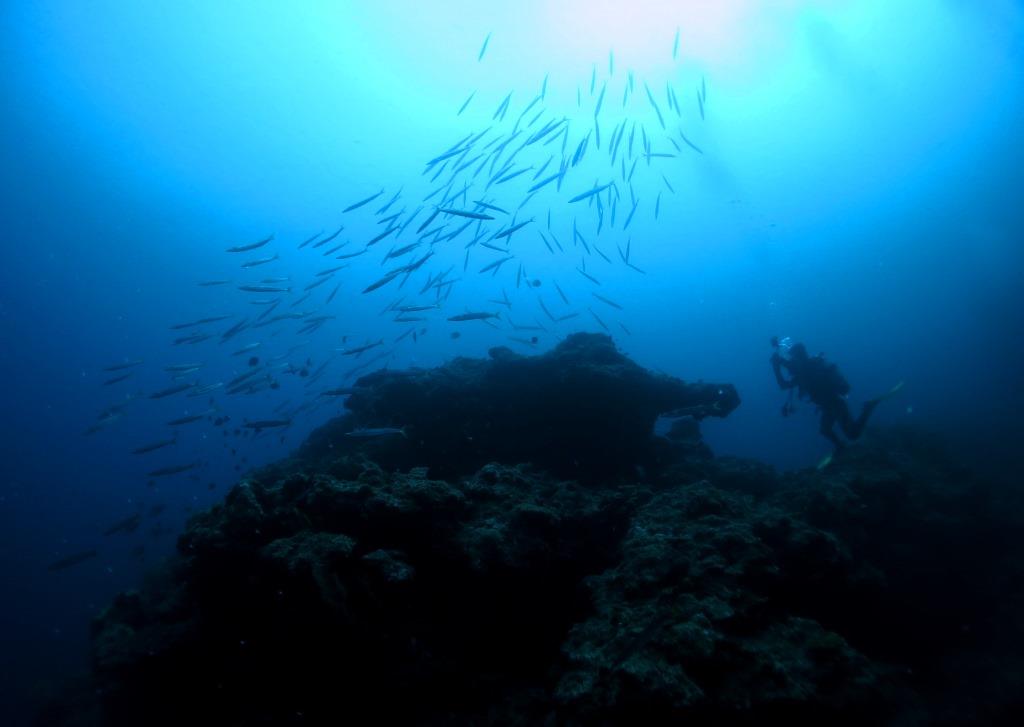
<point>466,575</point>
<point>583,409</point>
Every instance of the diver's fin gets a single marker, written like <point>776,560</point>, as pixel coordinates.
<point>825,462</point>
<point>890,393</point>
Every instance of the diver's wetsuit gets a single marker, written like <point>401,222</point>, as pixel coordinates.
<point>808,376</point>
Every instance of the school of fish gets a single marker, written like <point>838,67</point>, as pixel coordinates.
<point>531,184</point>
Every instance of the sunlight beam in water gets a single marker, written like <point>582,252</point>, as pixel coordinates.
<point>715,32</point>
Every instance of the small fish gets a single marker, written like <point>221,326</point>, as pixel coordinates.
<point>387,206</point>
<point>152,447</point>
<point>116,379</point>
<point>690,143</point>
<point>382,282</point>
<point>465,213</point>
<point>546,243</point>
<point>238,327</point>
<point>267,423</point>
<point>654,104</point>
<point>201,321</point>
<point>513,175</point>
<point>629,217</point>
<point>360,349</point>
<point>211,283</point>
<point>588,276</point>
<point>360,203</point>
<point>447,155</point>
<point>373,432</point>
<point>543,168</point>
<point>309,240</point>
<point>598,319</point>
<point>172,470</point>
<point>675,45</point>
<point>607,301</point>
<point>529,106</point>
<point>590,193</point>
<point>124,365</point>
<point>428,220</point>
<point>344,391</point>
<point>242,377</point>
<point>493,265</point>
<point>192,338</point>
<point>71,560</point>
<point>312,285</point>
<point>509,232</point>
<point>128,525</point>
<point>382,235</point>
<point>253,246</point>
<point>466,103</point>
<point>474,316</point>
<point>203,390</point>
<point>260,261</point>
<point>548,129</point>
<point>328,239</point>
<point>600,100</point>
<point>185,368</point>
<point>504,301</point>
<point>488,206</point>
<point>544,182</point>
<point>402,251</point>
<point>170,391</point>
<point>483,48</point>
<point>263,289</point>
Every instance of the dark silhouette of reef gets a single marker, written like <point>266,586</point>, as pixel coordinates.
<point>473,574</point>
<point>582,410</point>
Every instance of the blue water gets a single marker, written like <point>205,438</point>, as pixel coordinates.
<point>858,189</point>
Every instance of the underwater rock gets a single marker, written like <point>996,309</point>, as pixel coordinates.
<point>884,589</point>
<point>581,409</point>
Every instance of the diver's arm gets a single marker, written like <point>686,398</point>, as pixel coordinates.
<point>777,363</point>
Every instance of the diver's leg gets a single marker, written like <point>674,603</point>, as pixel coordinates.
<point>828,420</point>
<point>845,419</point>
<point>857,427</point>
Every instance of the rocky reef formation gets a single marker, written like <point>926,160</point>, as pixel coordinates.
<point>583,410</point>
<point>883,589</point>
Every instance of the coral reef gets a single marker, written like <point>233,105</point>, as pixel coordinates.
<point>498,581</point>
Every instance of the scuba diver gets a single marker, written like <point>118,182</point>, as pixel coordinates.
<point>821,382</point>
